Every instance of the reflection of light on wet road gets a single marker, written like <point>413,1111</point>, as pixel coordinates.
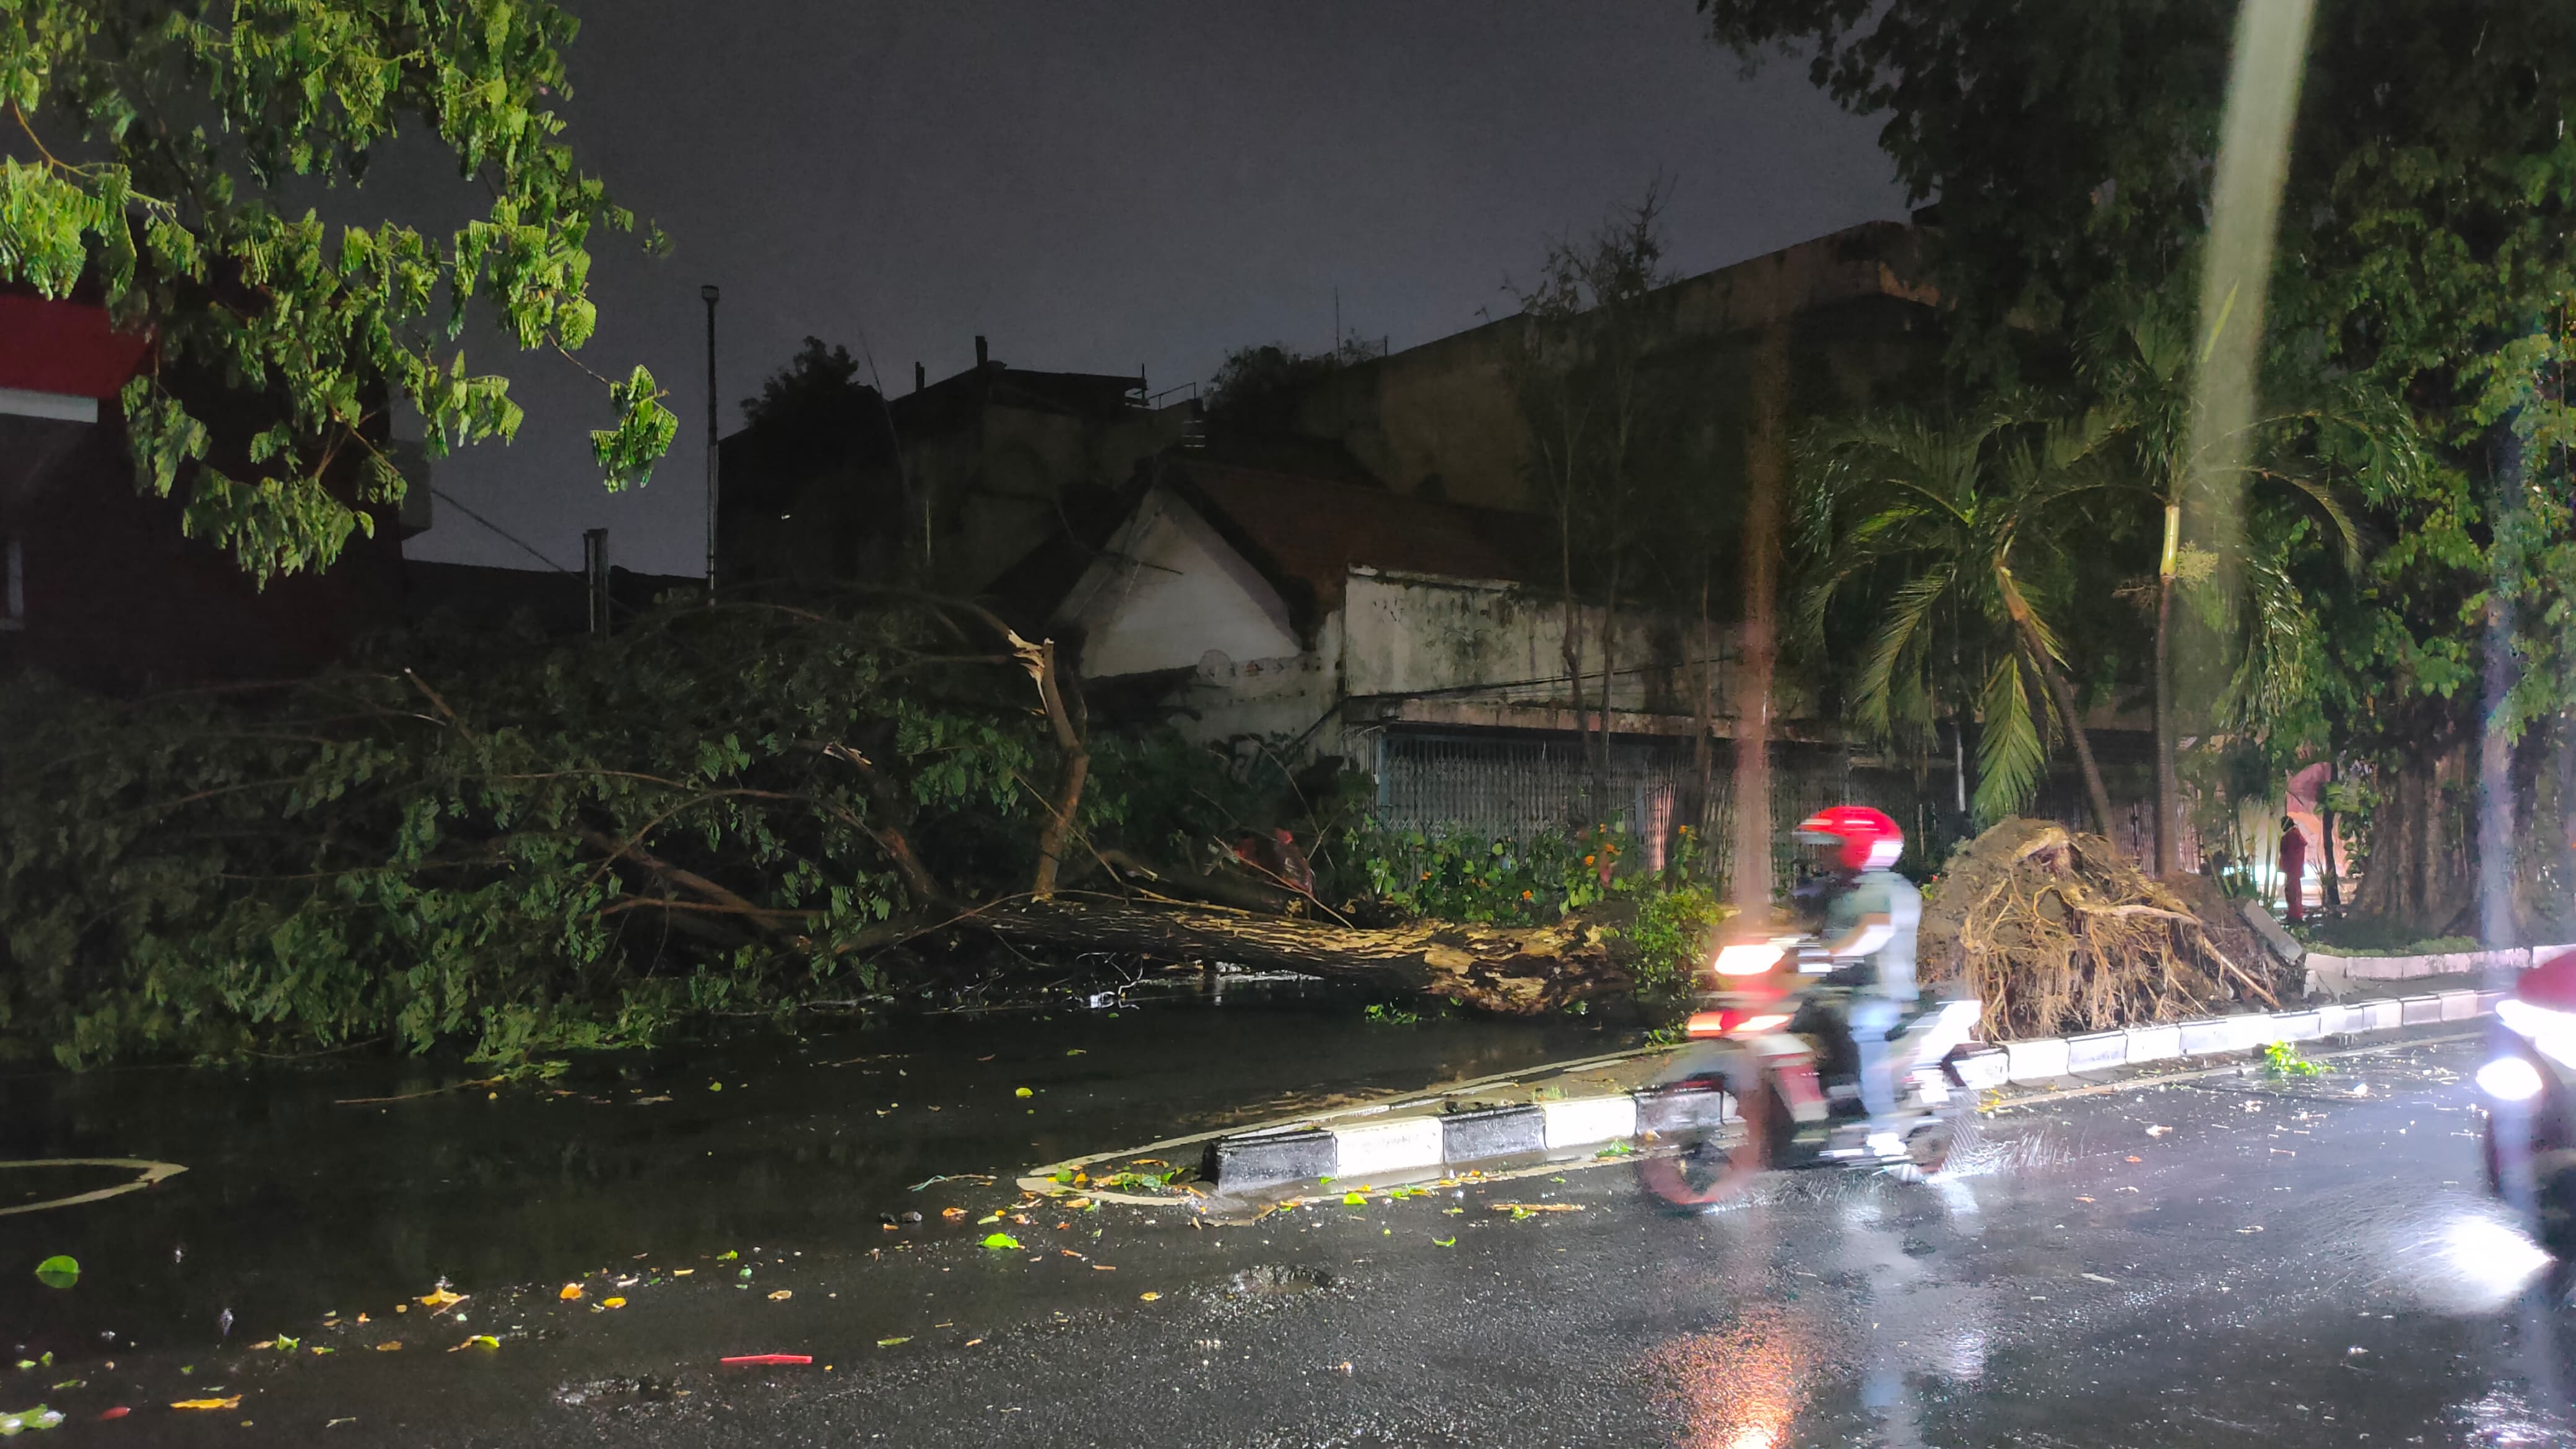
<point>2506,1420</point>
<point>1737,1387</point>
<point>1964,1356</point>
<point>2468,1262</point>
<point>1961,1199</point>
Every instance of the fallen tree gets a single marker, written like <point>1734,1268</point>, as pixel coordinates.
<point>511,845</point>
<point>1512,970</point>
<point>2057,932</point>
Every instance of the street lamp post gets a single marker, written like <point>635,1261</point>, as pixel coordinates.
<point>708,294</point>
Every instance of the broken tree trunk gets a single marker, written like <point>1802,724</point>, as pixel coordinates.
<point>1511,970</point>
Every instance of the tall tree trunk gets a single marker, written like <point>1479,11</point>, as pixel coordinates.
<point>1570,644</point>
<point>2566,807</point>
<point>1704,716</point>
<point>2168,777</point>
<point>2037,648</point>
<point>2496,811</point>
<point>1766,467</point>
<point>1601,759</point>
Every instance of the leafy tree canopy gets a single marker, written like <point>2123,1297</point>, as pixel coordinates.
<point>1256,388</point>
<point>2068,150</point>
<point>159,151</point>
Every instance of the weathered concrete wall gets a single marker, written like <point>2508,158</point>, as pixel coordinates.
<point>1409,635</point>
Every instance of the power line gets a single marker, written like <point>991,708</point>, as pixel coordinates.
<point>450,500</point>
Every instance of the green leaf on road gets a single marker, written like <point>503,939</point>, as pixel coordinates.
<point>891,1342</point>
<point>58,1271</point>
<point>1444,1242</point>
<point>38,1417</point>
<point>1001,1242</point>
<point>1354,1199</point>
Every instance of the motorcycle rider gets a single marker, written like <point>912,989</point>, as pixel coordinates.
<point>1871,915</point>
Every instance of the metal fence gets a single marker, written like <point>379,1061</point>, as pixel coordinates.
<point>1518,785</point>
<point>1522,785</point>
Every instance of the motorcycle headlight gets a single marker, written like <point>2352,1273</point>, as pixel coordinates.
<point>2509,1079</point>
<point>2553,1033</point>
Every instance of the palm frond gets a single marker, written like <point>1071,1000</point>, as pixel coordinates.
<point>1874,704</point>
<point>2011,756</point>
<point>2339,522</point>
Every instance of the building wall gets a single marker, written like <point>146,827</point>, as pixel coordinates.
<point>115,596</point>
<point>1449,410</point>
<point>1490,641</point>
<point>997,491</point>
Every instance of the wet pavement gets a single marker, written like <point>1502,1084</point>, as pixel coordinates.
<point>2218,1262</point>
<point>301,1197</point>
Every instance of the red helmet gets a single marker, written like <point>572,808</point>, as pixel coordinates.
<point>1866,839</point>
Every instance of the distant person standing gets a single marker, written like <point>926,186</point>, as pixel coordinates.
<point>2294,870</point>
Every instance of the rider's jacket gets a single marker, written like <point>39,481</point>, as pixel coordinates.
<point>1888,971</point>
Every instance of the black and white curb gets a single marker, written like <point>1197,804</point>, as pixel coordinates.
<point>1248,1161</point>
<point>1407,1144</point>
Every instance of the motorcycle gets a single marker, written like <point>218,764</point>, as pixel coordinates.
<point>2529,1087</point>
<point>1771,1080</point>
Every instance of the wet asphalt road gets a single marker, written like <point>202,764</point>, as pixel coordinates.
<point>2226,1262</point>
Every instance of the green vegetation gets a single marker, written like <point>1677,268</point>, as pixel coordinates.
<point>175,151</point>
<point>2282,1059</point>
<point>2387,589</point>
<point>512,846</point>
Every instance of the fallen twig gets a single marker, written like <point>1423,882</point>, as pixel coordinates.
<point>415,1096</point>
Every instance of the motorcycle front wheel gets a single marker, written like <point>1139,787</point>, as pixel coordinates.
<point>2550,1165</point>
<point>1709,1162</point>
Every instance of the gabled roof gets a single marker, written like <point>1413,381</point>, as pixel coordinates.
<point>1306,534</point>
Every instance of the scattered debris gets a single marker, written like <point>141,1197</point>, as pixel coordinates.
<point>768,1358</point>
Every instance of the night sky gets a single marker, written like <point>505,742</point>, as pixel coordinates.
<point>1109,187</point>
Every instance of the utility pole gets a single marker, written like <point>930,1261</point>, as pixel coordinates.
<point>594,569</point>
<point>708,294</point>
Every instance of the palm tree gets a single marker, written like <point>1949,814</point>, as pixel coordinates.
<point>1951,531</point>
<point>2141,368</point>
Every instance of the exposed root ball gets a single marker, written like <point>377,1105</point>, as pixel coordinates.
<point>2057,933</point>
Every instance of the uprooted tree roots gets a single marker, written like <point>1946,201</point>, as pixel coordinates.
<point>2057,933</point>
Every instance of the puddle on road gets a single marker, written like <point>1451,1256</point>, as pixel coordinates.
<point>294,1206</point>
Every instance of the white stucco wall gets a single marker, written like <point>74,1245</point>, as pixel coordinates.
<point>1280,698</point>
<point>1173,594</point>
